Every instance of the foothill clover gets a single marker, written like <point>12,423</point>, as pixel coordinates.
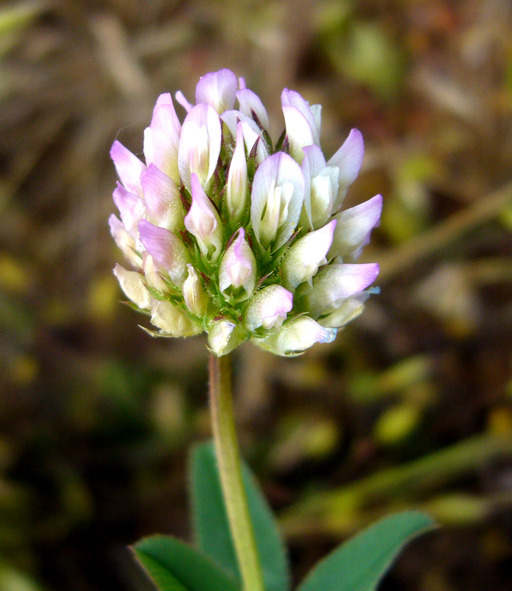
<point>231,234</point>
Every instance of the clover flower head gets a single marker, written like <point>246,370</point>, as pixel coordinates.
<point>231,234</point>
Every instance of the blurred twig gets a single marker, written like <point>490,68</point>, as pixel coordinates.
<point>443,233</point>
<point>341,510</point>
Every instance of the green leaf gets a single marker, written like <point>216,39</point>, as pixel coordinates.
<point>175,566</point>
<point>360,563</point>
<point>211,524</point>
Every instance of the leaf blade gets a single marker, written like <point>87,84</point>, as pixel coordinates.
<point>375,547</point>
<point>175,566</point>
<point>211,524</point>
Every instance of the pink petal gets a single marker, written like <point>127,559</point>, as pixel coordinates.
<point>291,98</point>
<point>238,266</point>
<point>250,105</point>
<point>349,158</point>
<point>167,250</point>
<point>268,307</point>
<point>161,138</point>
<point>355,226</point>
<point>203,221</point>
<point>128,166</point>
<point>298,131</point>
<point>337,282</point>
<point>130,207</point>
<point>162,197</point>
<point>217,89</point>
<point>250,130</point>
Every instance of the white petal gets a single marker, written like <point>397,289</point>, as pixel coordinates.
<point>199,147</point>
<point>351,308</point>
<point>132,283</point>
<point>298,131</point>
<point>124,240</point>
<point>173,321</point>
<point>237,185</point>
<point>295,336</point>
<point>305,256</point>
<point>291,98</point>
<point>277,172</point>
<point>224,335</point>
<point>250,105</point>
<point>251,132</point>
<point>194,294</point>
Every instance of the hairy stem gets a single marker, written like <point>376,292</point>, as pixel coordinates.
<point>228,458</point>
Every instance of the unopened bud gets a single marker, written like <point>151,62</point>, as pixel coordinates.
<point>237,185</point>
<point>194,294</point>
<point>224,336</point>
<point>269,307</point>
<point>203,221</point>
<point>134,287</point>
<point>237,272</point>
<point>173,321</point>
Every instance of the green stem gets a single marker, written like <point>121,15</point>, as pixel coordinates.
<point>228,458</point>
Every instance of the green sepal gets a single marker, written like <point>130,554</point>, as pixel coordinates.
<point>173,565</point>
<point>211,526</point>
<point>360,563</point>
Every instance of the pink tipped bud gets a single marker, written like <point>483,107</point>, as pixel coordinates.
<point>237,272</point>
<point>268,308</point>
<point>203,221</point>
<point>194,294</point>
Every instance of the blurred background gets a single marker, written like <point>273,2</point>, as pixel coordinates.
<point>409,408</point>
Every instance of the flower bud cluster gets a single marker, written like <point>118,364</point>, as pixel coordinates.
<point>233,235</point>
